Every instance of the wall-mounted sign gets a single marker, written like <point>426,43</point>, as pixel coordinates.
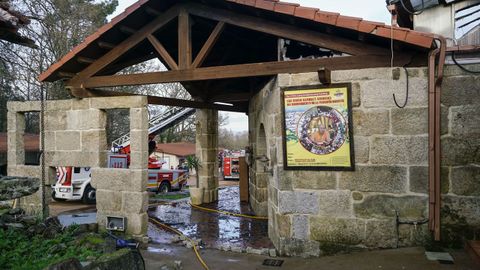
<point>318,128</point>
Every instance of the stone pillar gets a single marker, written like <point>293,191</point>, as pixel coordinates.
<point>206,150</point>
<point>16,145</point>
<point>121,192</point>
<point>135,200</point>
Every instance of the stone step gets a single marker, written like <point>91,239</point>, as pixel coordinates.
<point>473,249</point>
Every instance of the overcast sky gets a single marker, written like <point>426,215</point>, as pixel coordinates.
<point>372,10</point>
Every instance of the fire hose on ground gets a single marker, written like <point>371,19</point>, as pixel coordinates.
<point>194,245</point>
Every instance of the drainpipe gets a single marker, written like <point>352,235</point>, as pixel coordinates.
<point>434,132</point>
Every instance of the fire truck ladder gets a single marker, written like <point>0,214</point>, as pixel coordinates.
<point>157,124</point>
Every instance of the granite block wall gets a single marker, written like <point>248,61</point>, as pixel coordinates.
<point>313,213</point>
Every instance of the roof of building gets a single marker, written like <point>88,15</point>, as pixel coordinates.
<point>32,142</point>
<point>10,22</point>
<point>136,16</point>
<point>181,149</point>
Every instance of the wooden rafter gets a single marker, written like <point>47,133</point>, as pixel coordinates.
<point>126,45</point>
<point>231,97</point>
<point>208,46</point>
<point>127,30</point>
<point>184,40</point>
<point>117,67</point>
<point>155,100</point>
<point>106,45</point>
<point>163,52</point>
<point>244,70</point>
<point>328,41</point>
<point>186,70</point>
<point>85,60</point>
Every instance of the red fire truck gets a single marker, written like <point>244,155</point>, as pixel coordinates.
<point>230,168</point>
<point>73,183</point>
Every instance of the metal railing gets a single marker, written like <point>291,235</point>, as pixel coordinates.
<point>157,124</point>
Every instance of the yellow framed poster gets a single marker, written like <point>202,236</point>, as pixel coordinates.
<point>318,128</point>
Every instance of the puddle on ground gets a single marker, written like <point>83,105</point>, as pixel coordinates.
<point>214,229</point>
<point>159,250</point>
<point>78,218</point>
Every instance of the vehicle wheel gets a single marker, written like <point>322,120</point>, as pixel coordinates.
<point>89,195</point>
<point>57,199</point>
<point>164,187</point>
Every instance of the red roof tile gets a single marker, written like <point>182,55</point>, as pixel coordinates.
<point>181,149</point>
<point>419,39</point>
<point>286,8</point>
<point>367,26</point>
<point>327,17</point>
<point>348,22</point>
<point>306,12</point>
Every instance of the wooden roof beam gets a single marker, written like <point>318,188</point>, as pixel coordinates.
<point>162,52</point>
<point>85,60</point>
<point>126,45</point>
<point>319,39</point>
<point>245,70</point>
<point>184,40</point>
<point>152,12</point>
<point>155,100</point>
<point>106,45</point>
<point>233,97</point>
<point>127,30</point>
<point>66,75</point>
<point>208,46</point>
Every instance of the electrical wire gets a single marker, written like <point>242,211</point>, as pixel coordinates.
<point>42,150</point>
<point>194,245</point>
<point>413,12</point>
<point>406,93</point>
<point>461,66</point>
<point>404,67</point>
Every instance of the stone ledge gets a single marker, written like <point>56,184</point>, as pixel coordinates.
<point>23,106</point>
<point>125,102</point>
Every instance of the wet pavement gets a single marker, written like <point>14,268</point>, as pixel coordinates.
<point>394,259</point>
<point>71,207</point>
<point>214,229</point>
<point>79,218</point>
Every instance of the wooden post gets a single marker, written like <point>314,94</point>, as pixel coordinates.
<point>184,40</point>
<point>243,180</point>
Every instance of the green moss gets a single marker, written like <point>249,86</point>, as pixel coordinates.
<point>20,251</point>
<point>110,256</point>
<point>170,197</point>
<point>454,228</point>
<point>329,248</point>
<point>92,239</point>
